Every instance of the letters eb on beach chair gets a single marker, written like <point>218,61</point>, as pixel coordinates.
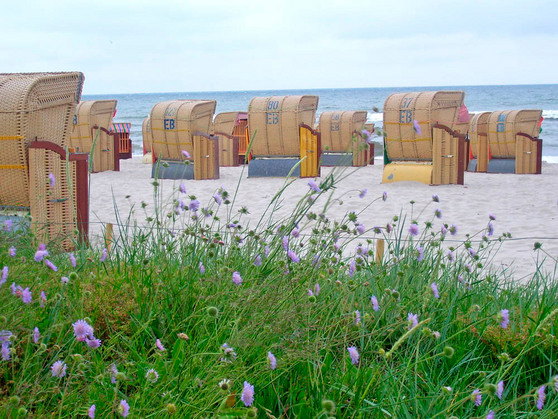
<point>91,134</point>
<point>181,143</point>
<point>281,135</point>
<point>232,130</point>
<point>421,143</point>
<point>343,143</point>
<point>513,142</point>
<point>36,172</point>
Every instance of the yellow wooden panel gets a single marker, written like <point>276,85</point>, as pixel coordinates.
<point>398,172</point>
<point>525,156</point>
<point>309,149</point>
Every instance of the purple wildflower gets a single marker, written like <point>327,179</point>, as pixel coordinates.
<point>52,180</point>
<point>375,304</point>
<point>272,360</point>
<point>450,256</point>
<point>12,252</point>
<point>93,342</point>
<point>500,389</point>
<point>420,253</point>
<point>434,288</point>
<point>360,228</point>
<point>113,372</point>
<point>314,186</point>
<point>26,296</point>
<point>51,265</point>
<point>357,317</point>
<point>367,135</point>
<point>8,225</point>
<point>236,278</point>
<point>362,193</point>
<point>353,353</point>
<point>435,198</point>
<point>182,188</point>
<point>58,369</point>
<point>5,351</point>
<point>64,280</point>
<point>384,196</point>
<point>413,320</point>
<point>438,213</point>
<point>42,299</point>
<point>229,354</point>
<point>201,268</point>
<point>13,288</point>
<point>491,217</point>
<point>490,229</point>
<point>293,256</point>
<point>443,230</point>
<point>4,275</point>
<point>477,397</point>
<point>352,268</point>
<point>317,289</point>
<point>247,394</point>
<point>416,126</point>
<point>185,154</point>
<point>266,251</point>
<point>218,199</point>
<point>82,330</point>
<point>124,407</point>
<point>159,345</point>
<point>104,255</point>
<point>36,335</point>
<point>453,229</point>
<point>413,229</point>
<point>5,336</point>
<point>541,397</point>
<point>505,318</point>
<point>310,293</point>
<point>91,412</point>
<point>41,253</point>
<point>151,375</point>
<point>258,260</point>
<point>285,243</point>
<point>472,252</point>
<point>295,233</point>
<point>73,262</point>
<point>491,415</point>
<point>194,205</point>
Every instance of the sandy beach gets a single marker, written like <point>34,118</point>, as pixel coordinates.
<point>524,205</point>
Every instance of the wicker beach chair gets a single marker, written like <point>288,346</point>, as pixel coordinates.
<point>421,143</point>
<point>36,111</point>
<point>91,134</point>
<point>282,135</point>
<point>180,128</point>
<point>342,141</point>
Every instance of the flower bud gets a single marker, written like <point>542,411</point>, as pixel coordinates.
<point>328,406</point>
<point>212,311</point>
<point>171,408</point>
<point>449,352</point>
<point>14,400</point>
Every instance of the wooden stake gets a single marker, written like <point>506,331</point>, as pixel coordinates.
<point>108,236</point>
<point>380,243</point>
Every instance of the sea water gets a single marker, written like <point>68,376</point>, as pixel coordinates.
<point>134,108</point>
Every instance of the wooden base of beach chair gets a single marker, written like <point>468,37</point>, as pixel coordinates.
<point>408,171</point>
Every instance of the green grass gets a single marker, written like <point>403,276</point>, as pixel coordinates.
<point>150,287</point>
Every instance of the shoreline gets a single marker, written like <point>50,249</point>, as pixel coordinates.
<point>524,205</point>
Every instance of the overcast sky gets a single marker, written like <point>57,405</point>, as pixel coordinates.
<point>178,46</point>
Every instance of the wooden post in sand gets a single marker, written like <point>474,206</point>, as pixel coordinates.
<point>380,243</point>
<point>108,236</point>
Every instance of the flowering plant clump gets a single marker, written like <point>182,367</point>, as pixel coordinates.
<point>205,313</point>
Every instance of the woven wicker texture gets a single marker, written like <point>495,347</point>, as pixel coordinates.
<point>32,105</point>
<point>275,122</point>
<point>337,129</point>
<point>225,122</point>
<point>146,135</point>
<point>401,110</point>
<point>503,127</point>
<point>88,114</point>
<point>53,208</point>
<point>174,122</point>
